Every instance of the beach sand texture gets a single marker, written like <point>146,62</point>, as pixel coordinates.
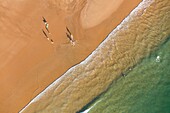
<point>141,32</point>
<point>29,62</point>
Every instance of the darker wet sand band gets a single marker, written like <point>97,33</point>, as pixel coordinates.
<point>139,34</point>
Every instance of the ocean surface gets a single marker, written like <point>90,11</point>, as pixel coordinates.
<point>145,89</point>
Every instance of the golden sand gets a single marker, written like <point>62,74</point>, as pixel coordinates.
<point>96,11</point>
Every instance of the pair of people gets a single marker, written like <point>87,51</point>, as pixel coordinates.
<point>47,26</point>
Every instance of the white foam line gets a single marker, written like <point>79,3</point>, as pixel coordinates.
<point>46,90</point>
<point>87,110</point>
<point>143,5</point>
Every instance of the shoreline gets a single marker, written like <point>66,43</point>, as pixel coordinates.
<point>78,75</point>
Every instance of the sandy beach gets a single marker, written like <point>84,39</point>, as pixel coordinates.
<point>30,62</point>
<point>143,31</point>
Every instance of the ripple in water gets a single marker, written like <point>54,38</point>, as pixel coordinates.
<point>146,89</point>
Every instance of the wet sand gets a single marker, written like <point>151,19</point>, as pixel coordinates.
<point>135,38</point>
<point>29,62</point>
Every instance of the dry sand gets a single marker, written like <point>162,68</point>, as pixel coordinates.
<point>140,33</point>
<point>29,62</point>
<point>96,11</point>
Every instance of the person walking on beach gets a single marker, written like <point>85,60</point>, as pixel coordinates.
<point>46,24</point>
<point>45,34</point>
<point>70,36</point>
<point>52,42</point>
<point>68,30</point>
<point>122,74</point>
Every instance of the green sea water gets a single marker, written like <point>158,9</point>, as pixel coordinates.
<point>145,89</point>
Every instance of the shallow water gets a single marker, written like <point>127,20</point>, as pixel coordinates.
<point>131,41</point>
<point>145,89</point>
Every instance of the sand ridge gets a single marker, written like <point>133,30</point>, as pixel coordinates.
<point>96,11</point>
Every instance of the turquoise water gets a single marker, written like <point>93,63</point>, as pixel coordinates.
<point>146,89</point>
